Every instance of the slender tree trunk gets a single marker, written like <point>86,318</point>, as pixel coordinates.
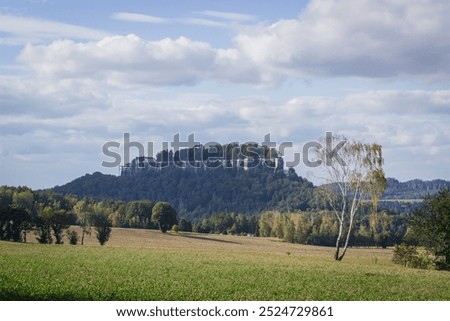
<point>82,237</point>
<point>350,227</point>
<point>336,254</point>
<point>338,240</point>
<point>346,244</point>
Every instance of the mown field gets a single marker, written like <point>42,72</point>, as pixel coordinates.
<point>147,265</point>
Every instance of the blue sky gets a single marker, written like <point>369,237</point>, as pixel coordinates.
<point>77,74</point>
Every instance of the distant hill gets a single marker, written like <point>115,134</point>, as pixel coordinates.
<point>414,189</point>
<point>200,193</point>
<point>404,197</point>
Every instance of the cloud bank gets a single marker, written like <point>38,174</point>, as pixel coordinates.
<point>372,39</point>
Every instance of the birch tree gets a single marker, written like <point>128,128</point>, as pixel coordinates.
<point>353,174</point>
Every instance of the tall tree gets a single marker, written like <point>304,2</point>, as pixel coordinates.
<point>43,224</point>
<point>431,225</point>
<point>59,221</point>
<point>164,215</point>
<point>102,222</point>
<point>84,214</point>
<point>103,227</point>
<point>353,173</point>
<point>380,228</point>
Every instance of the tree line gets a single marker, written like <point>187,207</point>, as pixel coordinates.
<point>228,223</point>
<point>321,227</point>
<point>50,216</point>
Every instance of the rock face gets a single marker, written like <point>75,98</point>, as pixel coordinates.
<point>202,158</point>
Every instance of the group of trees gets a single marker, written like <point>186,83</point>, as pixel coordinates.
<point>221,223</point>
<point>142,214</point>
<point>322,227</point>
<point>49,215</point>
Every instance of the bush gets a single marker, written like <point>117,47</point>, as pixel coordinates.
<point>73,237</point>
<point>404,253</point>
<point>175,228</point>
<point>184,226</point>
<point>410,256</point>
<point>422,261</point>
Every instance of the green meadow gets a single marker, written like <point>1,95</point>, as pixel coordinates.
<point>147,265</point>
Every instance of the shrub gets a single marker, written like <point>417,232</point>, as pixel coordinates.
<point>410,256</point>
<point>422,261</point>
<point>404,253</point>
<point>73,237</point>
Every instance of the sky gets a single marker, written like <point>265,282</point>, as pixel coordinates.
<point>75,75</point>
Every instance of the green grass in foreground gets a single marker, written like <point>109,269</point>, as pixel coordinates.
<point>51,272</point>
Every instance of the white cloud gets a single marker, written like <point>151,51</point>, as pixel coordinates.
<point>21,96</point>
<point>123,61</point>
<point>233,16</point>
<point>395,119</point>
<point>127,61</point>
<point>137,17</point>
<point>355,38</point>
<point>208,18</point>
<point>204,22</point>
<point>382,39</point>
<point>22,30</point>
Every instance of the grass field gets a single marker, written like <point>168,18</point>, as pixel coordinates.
<point>147,265</point>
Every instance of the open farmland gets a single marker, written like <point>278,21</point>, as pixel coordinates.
<point>148,265</point>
